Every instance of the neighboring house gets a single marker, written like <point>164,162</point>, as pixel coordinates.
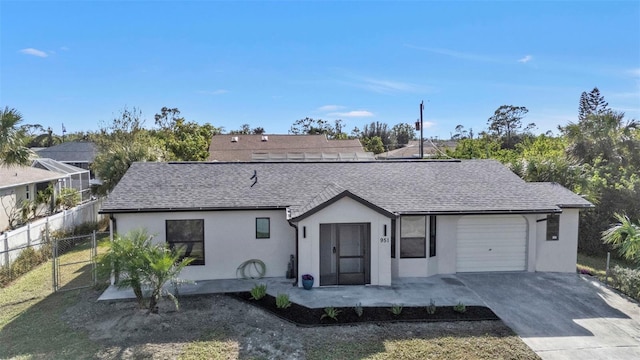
<point>77,178</point>
<point>285,148</point>
<point>77,153</point>
<point>19,184</point>
<point>431,148</point>
<point>351,223</point>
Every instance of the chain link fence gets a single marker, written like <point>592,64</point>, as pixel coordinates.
<point>73,260</point>
<point>21,259</point>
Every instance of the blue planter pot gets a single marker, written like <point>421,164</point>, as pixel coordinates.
<point>307,284</point>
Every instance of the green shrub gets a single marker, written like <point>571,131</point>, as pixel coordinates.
<point>626,280</point>
<point>258,291</point>
<point>28,259</point>
<point>358,309</point>
<point>396,309</point>
<point>68,198</point>
<point>431,308</point>
<point>5,275</point>
<point>85,228</point>
<point>331,313</point>
<point>460,308</point>
<point>282,301</point>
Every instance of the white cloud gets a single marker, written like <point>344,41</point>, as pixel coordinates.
<point>428,124</point>
<point>526,59</point>
<point>454,53</point>
<point>64,48</point>
<point>388,85</point>
<point>382,86</point>
<point>330,108</point>
<point>34,52</point>
<point>215,92</point>
<point>354,113</point>
<point>635,72</point>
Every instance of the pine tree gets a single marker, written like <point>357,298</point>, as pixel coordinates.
<point>592,103</point>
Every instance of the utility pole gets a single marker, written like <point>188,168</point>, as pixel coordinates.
<point>421,131</point>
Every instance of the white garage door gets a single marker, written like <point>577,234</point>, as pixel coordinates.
<point>491,243</point>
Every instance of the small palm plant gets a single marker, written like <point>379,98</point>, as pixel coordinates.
<point>396,309</point>
<point>136,262</point>
<point>282,301</point>
<point>164,265</point>
<point>258,291</point>
<point>358,309</point>
<point>431,308</point>
<point>624,236</point>
<point>460,308</point>
<point>331,313</point>
<point>127,261</point>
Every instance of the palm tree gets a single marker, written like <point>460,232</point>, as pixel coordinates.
<point>625,236</point>
<point>12,149</point>
<point>138,263</point>
<point>163,265</point>
<point>126,258</point>
<point>606,136</point>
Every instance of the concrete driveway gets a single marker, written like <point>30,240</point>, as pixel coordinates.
<point>562,316</point>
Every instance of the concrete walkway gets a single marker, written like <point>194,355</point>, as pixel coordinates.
<point>562,316</point>
<point>445,290</point>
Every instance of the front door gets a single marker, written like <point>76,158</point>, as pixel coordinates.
<point>344,254</point>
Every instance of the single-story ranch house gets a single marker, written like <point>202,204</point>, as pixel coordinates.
<point>353,222</point>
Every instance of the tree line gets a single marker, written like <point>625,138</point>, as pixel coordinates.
<point>597,156</point>
<point>125,139</point>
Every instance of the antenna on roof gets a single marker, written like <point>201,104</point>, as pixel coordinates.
<point>254,177</point>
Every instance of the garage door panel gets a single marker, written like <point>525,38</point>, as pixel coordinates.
<point>491,243</point>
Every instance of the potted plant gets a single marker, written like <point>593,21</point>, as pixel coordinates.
<point>307,281</point>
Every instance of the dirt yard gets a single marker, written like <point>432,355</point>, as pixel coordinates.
<point>240,330</point>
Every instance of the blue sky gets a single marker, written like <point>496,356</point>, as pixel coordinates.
<point>270,63</point>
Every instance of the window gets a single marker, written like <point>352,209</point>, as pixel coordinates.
<point>263,228</point>
<point>432,236</point>
<point>26,194</point>
<point>393,238</point>
<point>553,227</point>
<point>412,237</point>
<point>186,237</point>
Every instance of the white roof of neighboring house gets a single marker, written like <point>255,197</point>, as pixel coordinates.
<point>13,176</point>
<point>57,166</point>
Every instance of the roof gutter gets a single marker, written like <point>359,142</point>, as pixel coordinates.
<point>481,212</point>
<point>61,176</point>
<point>201,208</point>
<point>576,206</point>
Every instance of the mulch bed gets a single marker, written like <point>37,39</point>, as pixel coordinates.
<point>304,316</point>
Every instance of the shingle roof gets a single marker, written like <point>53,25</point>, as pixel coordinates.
<point>222,147</point>
<point>72,151</point>
<point>560,195</point>
<point>468,186</point>
<point>331,191</point>
<point>23,175</point>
